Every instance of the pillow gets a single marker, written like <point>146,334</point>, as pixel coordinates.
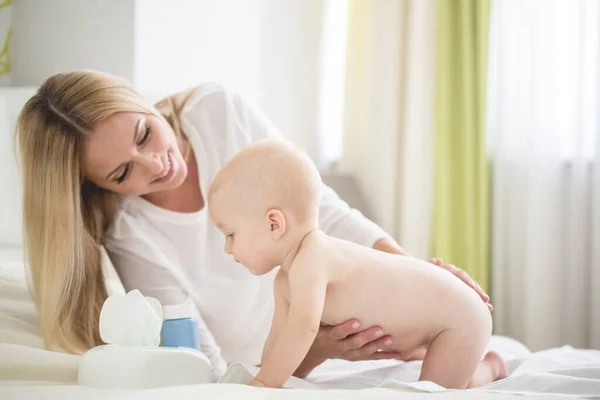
<point>11,102</point>
<point>19,322</point>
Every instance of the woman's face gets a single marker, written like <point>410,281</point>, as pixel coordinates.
<point>133,154</point>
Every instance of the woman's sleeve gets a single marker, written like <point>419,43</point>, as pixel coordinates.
<point>336,217</point>
<point>152,276</point>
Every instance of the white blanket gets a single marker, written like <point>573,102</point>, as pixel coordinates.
<point>27,371</point>
<point>557,373</point>
<point>561,371</point>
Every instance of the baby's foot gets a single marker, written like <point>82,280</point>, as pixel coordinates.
<point>496,365</point>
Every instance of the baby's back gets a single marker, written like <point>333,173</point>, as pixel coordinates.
<point>412,300</point>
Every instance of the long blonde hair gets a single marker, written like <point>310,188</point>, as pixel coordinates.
<point>65,216</point>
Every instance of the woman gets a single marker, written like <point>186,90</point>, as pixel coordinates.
<point>101,166</point>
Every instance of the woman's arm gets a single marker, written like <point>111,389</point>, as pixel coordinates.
<point>390,246</point>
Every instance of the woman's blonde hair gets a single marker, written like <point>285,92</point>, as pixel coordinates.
<point>64,215</point>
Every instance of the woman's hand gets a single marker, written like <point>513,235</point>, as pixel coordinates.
<point>390,246</point>
<point>463,276</point>
<point>347,341</point>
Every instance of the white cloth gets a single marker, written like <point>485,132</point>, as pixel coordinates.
<point>174,256</point>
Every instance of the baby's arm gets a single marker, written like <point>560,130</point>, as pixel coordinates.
<point>279,315</point>
<point>308,285</point>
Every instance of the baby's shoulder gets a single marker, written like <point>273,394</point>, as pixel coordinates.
<point>315,249</point>
<point>309,257</point>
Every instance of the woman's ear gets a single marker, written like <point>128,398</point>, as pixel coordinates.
<point>276,221</point>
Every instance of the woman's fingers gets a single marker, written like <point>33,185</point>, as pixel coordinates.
<point>466,278</point>
<point>469,281</point>
<point>436,261</point>
<point>342,331</point>
<point>347,341</point>
<point>362,339</point>
<point>372,347</point>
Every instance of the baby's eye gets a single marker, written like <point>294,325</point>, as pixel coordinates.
<point>230,235</point>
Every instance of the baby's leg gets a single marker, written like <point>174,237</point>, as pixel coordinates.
<point>490,369</point>
<point>453,356</point>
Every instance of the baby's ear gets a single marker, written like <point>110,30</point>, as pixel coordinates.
<point>276,221</point>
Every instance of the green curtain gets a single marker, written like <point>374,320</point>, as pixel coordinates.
<point>461,194</point>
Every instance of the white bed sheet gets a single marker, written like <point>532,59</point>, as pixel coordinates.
<point>27,371</point>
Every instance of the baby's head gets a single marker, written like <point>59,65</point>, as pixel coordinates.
<point>265,199</point>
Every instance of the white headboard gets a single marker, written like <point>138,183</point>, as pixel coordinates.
<point>11,102</point>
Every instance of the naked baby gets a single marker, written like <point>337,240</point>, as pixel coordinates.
<point>266,201</point>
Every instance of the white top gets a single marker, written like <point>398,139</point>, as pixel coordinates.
<point>175,256</point>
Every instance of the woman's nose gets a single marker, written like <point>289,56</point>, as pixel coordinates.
<point>151,162</point>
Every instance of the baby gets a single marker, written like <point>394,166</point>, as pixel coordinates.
<point>266,201</point>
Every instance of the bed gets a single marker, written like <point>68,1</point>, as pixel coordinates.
<point>28,371</point>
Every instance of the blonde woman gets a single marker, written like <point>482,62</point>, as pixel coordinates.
<point>102,166</point>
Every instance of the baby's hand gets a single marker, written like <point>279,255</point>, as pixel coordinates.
<point>257,383</point>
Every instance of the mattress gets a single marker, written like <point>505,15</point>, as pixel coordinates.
<point>28,371</point>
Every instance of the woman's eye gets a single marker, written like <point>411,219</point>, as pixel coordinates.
<point>122,177</point>
<point>146,135</point>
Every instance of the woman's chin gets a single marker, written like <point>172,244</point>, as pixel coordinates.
<point>175,182</point>
<point>179,179</point>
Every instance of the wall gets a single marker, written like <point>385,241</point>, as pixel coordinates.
<point>5,41</point>
<point>192,41</point>
<point>267,50</point>
<point>59,35</point>
<point>291,32</point>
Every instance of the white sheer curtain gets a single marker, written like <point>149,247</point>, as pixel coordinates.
<point>388,117</point>
<point>544,130</point>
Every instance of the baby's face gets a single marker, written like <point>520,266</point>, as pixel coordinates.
<point>247,239</point>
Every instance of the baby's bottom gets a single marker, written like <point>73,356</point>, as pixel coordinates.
<point>453,360</point>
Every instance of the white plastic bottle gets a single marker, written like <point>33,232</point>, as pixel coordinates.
<point>180,328</point>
